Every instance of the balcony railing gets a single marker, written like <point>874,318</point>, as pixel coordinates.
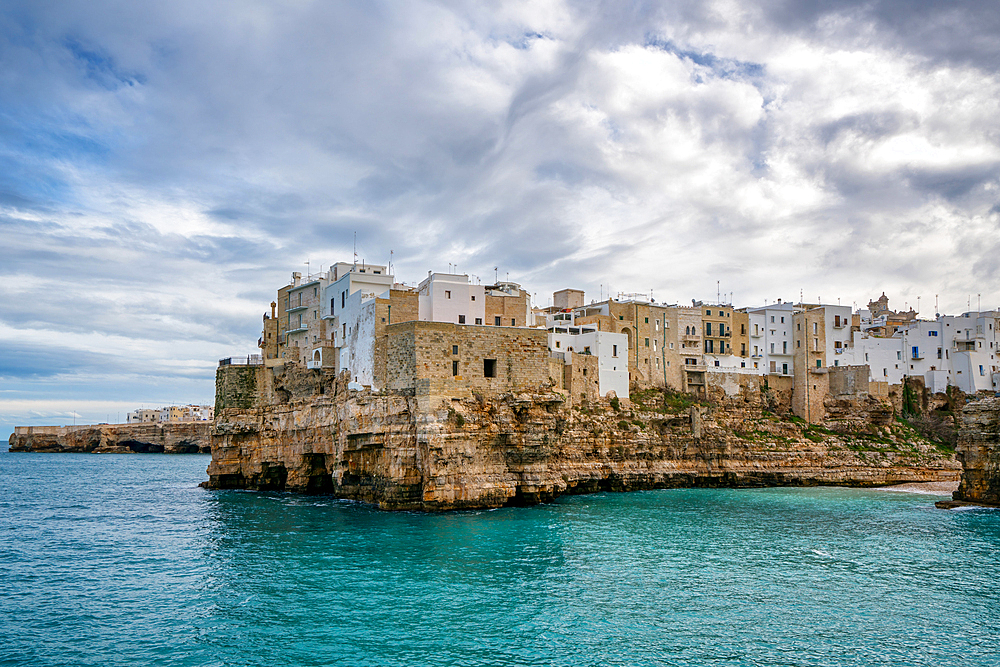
<point>249,360</point>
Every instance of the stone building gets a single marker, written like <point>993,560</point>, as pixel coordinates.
<point>444,359</point>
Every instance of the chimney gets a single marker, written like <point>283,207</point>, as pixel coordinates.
<point>273,305</point>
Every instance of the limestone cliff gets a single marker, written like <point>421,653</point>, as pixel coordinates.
<point>171,438</point>
<point>306,431</point>
<point>979,451</point>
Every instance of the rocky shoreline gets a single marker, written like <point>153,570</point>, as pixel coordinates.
<point>298,430</point>
<point>169,438</point>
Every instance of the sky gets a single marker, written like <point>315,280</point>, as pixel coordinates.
<point>164,167</point>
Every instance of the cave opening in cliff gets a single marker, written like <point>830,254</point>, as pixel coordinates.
<point>143,447</point>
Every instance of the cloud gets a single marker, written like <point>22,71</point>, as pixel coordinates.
<point>163,168</point>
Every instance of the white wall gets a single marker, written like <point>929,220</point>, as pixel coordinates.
<point>446,297</point>
<point>611,350</point>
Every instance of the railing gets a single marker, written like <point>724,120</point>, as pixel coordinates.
<point>249,360</point>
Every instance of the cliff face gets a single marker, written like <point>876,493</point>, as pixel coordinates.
<point>305,431</point>
<point>179,438</point>
<point>979,451</point>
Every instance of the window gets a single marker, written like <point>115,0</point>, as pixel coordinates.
<point>932,333</point>
<point>647,320</point>
<point>815,328</point>
<point>708,312</point>
<point>614,350</point>
<point>708,328</point>
<point>899,355</point>
<point>512,322</point>
<point>716,362</point>
<point>815,344</point>
<point>496,321</point>
<point>709,347</point>
<point>743,350</point>
<point>774,367</point>
<point>784,347</point>
<point>454,349</point>
<point>772,348</point>
<point>447,294</point>
<point>489,368</point>
<point>454,368</point>
<point>772,318</point>
<point>782,320</point>
<point>743,330</point>
<point>586,350</point>
<point>479,320</point>
<point>473,298</point>
<point>621,317</point>
<point>343,298</point>
<point>647,342</point>
<point>981,372</point>
<point>461,319</point>
<point>819,363</point>
<point>784,369</point>
<point>558,344</point>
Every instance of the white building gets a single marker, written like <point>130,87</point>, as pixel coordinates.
<point>771,339</point>
<point>611,350</point>
<point>950,350</point>
<point>449,297</point>
<point>349,310</point>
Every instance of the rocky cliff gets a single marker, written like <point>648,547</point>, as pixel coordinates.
<point>979,451</point>
<point>178,438</point>
<point>306,431</point>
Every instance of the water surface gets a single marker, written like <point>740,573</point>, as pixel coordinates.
<point>123,560</point>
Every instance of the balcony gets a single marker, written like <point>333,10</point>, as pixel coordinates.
<point>839,325</point>
<point>296,308</point>
<point>694,368</point>
<point>756,334</point>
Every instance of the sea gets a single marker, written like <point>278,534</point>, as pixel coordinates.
<point>124,560</point>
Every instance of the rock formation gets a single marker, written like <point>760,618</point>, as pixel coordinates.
<point>289,428</point>
<point>170,438</point>
<point>979,451</point>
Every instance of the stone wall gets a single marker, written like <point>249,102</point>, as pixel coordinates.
<point>422,359</point>
<point>581,379</point>
<point>508,308</point>
<point>237,387</point>
<point>404,306</point>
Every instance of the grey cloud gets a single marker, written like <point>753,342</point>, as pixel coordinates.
<point>950,31</point>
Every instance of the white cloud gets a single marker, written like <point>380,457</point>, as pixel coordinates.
<point>165,168</point>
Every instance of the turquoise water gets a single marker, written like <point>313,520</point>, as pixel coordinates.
<point>122,560</point>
